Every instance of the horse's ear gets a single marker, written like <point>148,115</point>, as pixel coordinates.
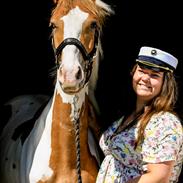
<point>55,1</point>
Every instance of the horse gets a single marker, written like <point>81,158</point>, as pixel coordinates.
<point>47,139</point>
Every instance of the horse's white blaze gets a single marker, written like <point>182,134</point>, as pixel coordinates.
<point>73,22</point>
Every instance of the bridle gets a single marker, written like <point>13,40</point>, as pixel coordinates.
<point>88,57</point>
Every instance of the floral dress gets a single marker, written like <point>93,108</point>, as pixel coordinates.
<point>163,141</point>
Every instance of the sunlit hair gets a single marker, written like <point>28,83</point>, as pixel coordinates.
<point>164,102</point>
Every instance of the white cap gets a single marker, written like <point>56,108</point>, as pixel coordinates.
<point>154,57</point>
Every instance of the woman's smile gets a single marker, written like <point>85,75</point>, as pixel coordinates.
<point>144,87</point>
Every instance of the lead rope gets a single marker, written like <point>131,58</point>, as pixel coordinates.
<point>77,140</point>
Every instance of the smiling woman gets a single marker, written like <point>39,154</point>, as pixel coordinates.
<point>146,144</point>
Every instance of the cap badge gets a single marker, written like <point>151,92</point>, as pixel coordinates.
<point>153,52</point>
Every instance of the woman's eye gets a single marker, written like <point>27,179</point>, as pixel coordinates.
<point>155,76</point>
<point>141,71</point>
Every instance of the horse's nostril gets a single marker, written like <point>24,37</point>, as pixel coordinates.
<point>78,74</point>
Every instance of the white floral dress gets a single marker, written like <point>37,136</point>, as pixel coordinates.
<point>163,142</point>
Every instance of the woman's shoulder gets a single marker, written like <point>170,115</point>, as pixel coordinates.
<point>167,116</point>
<point>167,120</point>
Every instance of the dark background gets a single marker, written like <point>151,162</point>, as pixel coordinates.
<point>27,57</point>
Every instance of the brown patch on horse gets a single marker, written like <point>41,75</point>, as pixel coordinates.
<point>63,153</point>
<point>94,122</point>
<point>88,33</point>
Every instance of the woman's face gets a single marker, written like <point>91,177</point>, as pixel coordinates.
<point>147,83</point>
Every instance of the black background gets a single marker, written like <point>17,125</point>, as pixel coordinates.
<point>27,57</point>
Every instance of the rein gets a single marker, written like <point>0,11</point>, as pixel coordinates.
<point>77,140</point>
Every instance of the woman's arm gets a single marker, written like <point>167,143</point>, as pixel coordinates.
<point>156,173</point>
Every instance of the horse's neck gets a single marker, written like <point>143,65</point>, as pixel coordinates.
<point>66,109</point>
<point>65,115</point>
<point>56,151</point>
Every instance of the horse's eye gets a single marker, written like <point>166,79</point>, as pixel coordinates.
<point>52,26</point>
<point>93,25</point>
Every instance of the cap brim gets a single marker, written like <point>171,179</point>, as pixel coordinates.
<point>153,66</point>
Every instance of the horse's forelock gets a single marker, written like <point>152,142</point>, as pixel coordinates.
<point>96,7</point>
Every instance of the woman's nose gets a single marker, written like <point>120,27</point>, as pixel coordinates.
<point>146,77</point>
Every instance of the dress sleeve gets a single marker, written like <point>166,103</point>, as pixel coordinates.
<point>162,139</point>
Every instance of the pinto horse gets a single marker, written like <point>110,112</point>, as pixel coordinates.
<point>47,140</point>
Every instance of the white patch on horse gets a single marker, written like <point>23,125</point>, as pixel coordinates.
<point>40,169</point>
<point>69,99</point>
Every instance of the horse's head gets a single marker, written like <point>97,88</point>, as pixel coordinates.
<point>75,37</point>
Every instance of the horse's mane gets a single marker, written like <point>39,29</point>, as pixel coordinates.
<point>101,11</point>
